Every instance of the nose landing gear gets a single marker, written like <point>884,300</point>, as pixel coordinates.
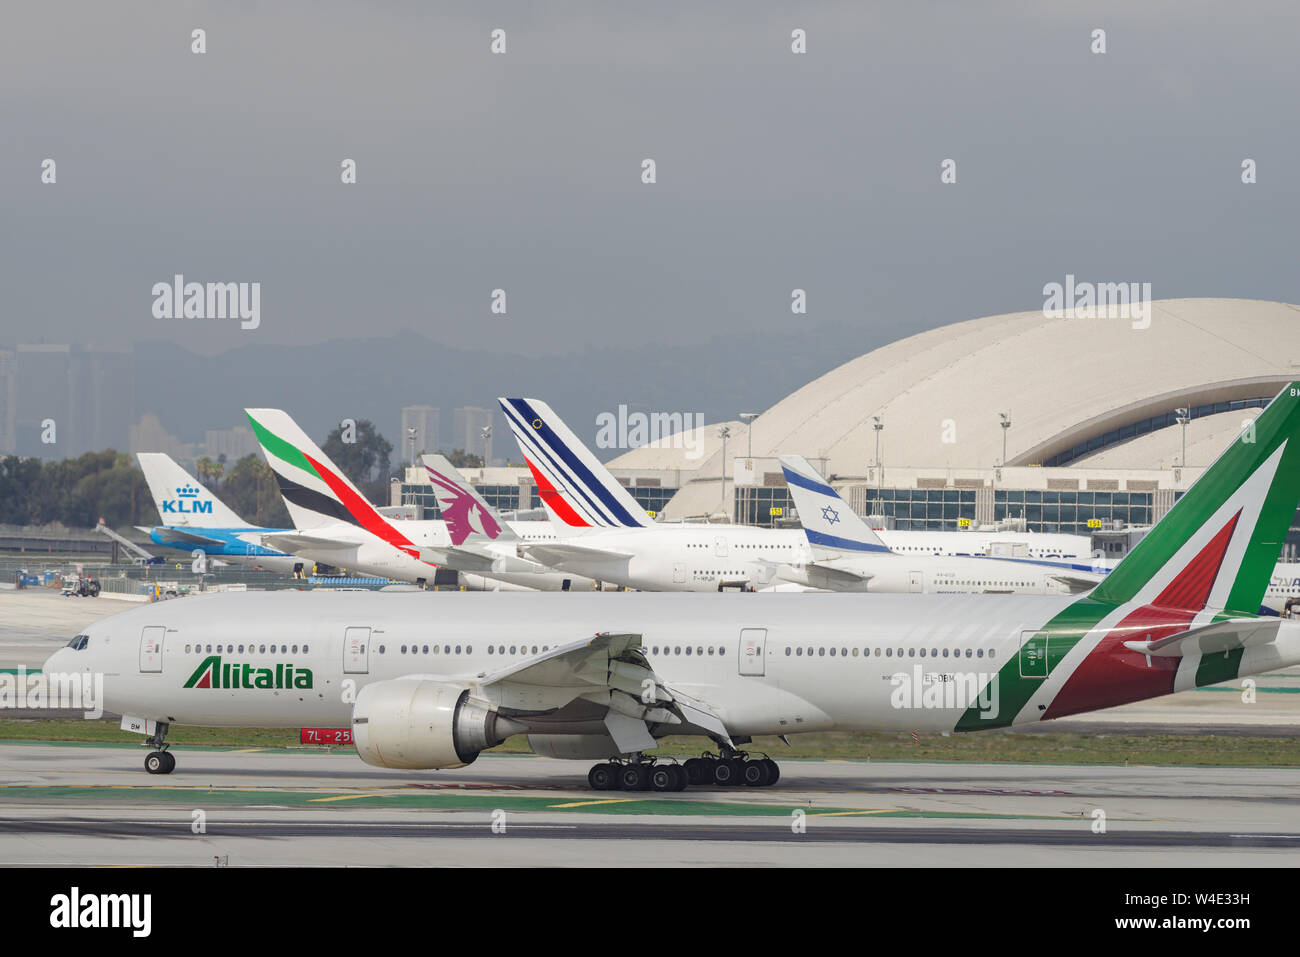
<point>159,761</point>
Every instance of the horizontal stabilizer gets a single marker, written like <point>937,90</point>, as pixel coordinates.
<point>169,535</point>
<point>1220,636</point>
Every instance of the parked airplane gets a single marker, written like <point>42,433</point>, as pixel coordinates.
<point>612,538</point>
<point>197,522</point>
<point>1282,597</point>
<point>852,556</point>
<point>580,493</point>
<point>336,524</point>
<point>431,680</point>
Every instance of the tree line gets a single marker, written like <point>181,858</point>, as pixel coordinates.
<point>109,485</point>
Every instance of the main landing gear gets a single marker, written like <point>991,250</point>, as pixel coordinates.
<point>638,775</point>
<point>159,761</point>
<point>729,769</point>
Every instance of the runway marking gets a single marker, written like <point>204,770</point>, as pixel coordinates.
<point>246,751</point>
<point>341,797</point>
<point>589,803</point>
<point>848,813</point>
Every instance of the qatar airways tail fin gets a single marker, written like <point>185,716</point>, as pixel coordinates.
<point>466,513</point>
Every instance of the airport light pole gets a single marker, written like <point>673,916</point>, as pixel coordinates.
<point>1006,426</point>
<point>879,427</point>
<point>1184,416</point>
<point>410,437</point>
<point>486,434</point>
<point>748,418</point>
<point>724,433</point>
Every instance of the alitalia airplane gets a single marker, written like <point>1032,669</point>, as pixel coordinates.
<point>197,522</point>
<point>428,680</point>
<point>613,539</point>
<point>337,525</point>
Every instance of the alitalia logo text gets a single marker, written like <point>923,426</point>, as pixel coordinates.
<point>211,673</point>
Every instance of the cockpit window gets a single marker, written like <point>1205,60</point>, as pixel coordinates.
<point>78,643</point>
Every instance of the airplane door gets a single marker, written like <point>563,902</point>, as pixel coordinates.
<point>356,651</point>
<point>1033,654</point>
<point>915,581</point>
<point>151,648</point>
<point>720,547</point>
<point>679,571</point>
<point>752,642</point>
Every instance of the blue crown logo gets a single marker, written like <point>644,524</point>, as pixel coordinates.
<point>187,491</point>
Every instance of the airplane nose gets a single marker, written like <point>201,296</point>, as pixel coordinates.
<point>61,662</point>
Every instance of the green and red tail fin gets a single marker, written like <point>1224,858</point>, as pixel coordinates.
<point>1216,548</point>
<point>315,490</point>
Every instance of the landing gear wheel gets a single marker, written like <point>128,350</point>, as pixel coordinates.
<point>698,771</point>
<point>754,774</point>
<point>775,772</point>
<point>159,762</point>
<point>663,777</point>
<point>171,762</point>
<point>680,776</point>
<point>726,772</point>
<point>602,778</point>
<point>635,777</point>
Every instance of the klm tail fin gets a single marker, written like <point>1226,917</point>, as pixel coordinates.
<point>828,522</point>
<point>466,513</point>
<point>1217,546</point>
<point>577,490</point>
<point>181,500</point>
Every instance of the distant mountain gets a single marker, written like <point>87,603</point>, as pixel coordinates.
<point>374,378</point>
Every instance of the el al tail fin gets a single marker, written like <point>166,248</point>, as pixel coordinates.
<point>827,520</point>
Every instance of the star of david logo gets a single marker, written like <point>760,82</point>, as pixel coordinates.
<point>829,513</point>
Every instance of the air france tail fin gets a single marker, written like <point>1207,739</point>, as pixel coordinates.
<point>828,522</point>
<point>1216,548</point>
<point>466,513</point>
<point>575,488</point>
<point>315,490</point>
<point>181,500</point>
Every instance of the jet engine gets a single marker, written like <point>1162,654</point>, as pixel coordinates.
<point>419,724</point>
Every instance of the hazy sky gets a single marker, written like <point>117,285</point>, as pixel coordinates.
<point>522,171</point>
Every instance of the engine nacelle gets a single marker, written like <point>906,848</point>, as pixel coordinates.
<point>419,724</point>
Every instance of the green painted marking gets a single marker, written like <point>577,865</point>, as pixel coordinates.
<point>280,448</point>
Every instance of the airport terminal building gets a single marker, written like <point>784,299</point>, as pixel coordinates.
<point>1054,424</point>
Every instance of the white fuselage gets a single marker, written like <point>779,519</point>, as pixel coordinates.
<point>823,662</point>
<point>709,557</point>
<point>363,551</point>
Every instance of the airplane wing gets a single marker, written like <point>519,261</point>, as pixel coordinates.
<point>1219,636</point>
<point>829,577</point>
<point>171,535</point>
<point>609,671</point>
<point>558,553</point>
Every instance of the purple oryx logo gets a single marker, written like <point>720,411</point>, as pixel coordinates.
<point>460,511</point>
